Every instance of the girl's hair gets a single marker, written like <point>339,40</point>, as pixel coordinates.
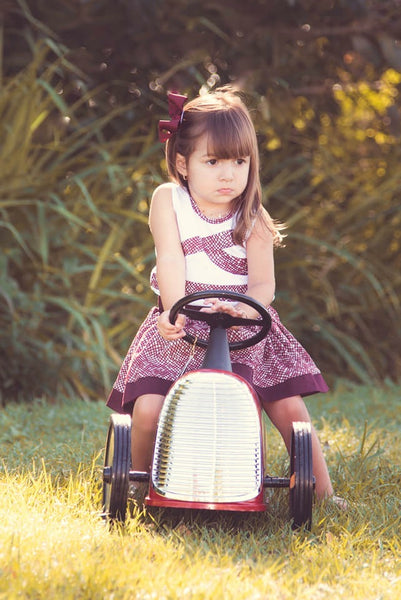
<point>231,134</point>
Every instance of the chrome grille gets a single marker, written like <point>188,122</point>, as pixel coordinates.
<point>208,446</point>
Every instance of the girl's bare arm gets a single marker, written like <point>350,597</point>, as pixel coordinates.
<point>170,260</point>
<point>261,280</point>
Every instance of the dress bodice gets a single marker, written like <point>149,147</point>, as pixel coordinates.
<point>212,259</point>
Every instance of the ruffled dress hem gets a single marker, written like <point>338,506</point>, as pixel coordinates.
<point>302,385</point>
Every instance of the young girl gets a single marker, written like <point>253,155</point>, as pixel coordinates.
<point>211,232</point>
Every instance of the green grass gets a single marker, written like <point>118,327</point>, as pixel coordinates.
<point>53,543</point>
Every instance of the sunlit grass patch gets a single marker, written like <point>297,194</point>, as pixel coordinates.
<point>54,543</point>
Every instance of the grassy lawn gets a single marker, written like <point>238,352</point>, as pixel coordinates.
<point>53,543</point>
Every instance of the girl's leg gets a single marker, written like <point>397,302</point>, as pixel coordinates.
<point>282,414</point>
<point>143,433</point>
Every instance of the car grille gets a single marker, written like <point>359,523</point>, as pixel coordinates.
<point>208,446</point>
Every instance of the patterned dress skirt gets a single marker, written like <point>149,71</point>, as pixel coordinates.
<point>277,367</point>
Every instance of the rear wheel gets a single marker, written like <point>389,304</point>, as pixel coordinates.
<point>301,476</point>
<point>116,468</point>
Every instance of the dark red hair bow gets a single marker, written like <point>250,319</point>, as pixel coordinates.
<point>175,110</point>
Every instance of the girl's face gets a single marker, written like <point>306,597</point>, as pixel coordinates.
<point>213,181</point>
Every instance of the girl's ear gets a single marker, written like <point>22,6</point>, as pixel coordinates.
<point>181,165</point>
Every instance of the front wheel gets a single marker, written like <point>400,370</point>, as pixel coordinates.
<point>117,462</point>
<point>301,476</point>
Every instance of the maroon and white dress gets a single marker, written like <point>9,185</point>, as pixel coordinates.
<point>277,367</point>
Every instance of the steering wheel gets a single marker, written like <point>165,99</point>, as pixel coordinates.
<point>220,319</point>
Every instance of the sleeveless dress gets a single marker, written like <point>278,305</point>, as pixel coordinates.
<point>276,367</point>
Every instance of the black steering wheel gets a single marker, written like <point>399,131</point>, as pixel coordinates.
<point>223,320</point>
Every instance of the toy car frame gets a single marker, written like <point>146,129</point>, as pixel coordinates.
<point>209,450</point>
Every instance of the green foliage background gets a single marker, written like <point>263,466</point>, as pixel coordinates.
<point>83,85</point>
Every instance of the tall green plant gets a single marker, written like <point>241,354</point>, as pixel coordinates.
<point>73,224</point>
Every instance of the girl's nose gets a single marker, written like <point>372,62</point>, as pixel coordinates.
<point>226,173</point>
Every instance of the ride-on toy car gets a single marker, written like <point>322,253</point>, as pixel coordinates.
<point>209,445</point>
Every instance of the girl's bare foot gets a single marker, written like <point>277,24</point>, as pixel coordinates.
<point>339,502</point>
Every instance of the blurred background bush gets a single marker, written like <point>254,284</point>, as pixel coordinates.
<point>82,86</point>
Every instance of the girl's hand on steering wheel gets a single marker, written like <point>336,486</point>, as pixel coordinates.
<point>170,331</point>
<point>216,305</point>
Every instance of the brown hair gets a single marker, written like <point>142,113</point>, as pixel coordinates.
<point>226,120</point>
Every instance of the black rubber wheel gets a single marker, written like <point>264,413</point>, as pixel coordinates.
<point>301,476</point>
<point>117,462</point>
<point>223,319</point>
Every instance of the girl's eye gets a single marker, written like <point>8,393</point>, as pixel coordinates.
<point>238,161</point>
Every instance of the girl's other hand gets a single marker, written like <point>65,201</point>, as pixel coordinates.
<point>171,331</point>
<point>216,305</point>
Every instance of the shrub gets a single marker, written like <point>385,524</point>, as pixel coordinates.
<point>74,233</point>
